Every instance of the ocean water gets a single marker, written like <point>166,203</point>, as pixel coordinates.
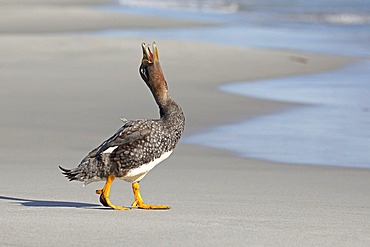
<point>333,128</point>
<point>328,26</point>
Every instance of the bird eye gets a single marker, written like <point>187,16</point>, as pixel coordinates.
<point>144,74</point>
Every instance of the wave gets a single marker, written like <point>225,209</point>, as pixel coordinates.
<point>337,18</point>
<point>198,5</point>
<point>284,10</point>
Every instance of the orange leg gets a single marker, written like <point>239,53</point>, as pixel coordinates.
<point>104,194</point>
<point>139,201</point>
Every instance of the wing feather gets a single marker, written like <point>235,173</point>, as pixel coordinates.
<point>123,136</point>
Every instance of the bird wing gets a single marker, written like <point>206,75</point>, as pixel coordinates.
<point>128,133</point>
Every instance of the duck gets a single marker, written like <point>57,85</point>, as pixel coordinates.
<point>139,145</point>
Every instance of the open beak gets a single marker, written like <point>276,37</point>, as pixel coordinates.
<point>148,55</point>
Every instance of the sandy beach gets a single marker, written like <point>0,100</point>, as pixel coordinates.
<point>63,93</point>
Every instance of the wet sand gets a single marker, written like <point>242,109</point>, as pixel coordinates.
<point>62,94</point>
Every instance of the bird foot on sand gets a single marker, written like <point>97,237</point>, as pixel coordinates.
<point>106,202</point>
<point>142,205</point>
<point>139,200</point>
<point>104,194</point>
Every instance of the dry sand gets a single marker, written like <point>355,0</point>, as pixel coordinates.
<point>62,95</point>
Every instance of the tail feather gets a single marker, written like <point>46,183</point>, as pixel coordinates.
<point>71,174</point>
<point>89,170</point>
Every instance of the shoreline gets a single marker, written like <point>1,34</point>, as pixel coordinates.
<point>63,94</point>
<point>320,101</point>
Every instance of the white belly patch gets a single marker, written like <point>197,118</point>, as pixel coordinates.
<point>135,175</point>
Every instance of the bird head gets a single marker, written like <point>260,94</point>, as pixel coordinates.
<point>150,63</point>
<point>150,69</point>
<point>151,72</point>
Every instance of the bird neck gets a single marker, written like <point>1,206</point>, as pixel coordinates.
<point>160,92</point>
<point>171,113</point>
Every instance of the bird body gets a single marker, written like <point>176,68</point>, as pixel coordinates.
<point>139,145</point>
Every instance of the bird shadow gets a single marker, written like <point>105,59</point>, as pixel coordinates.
<point>51,204</point>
